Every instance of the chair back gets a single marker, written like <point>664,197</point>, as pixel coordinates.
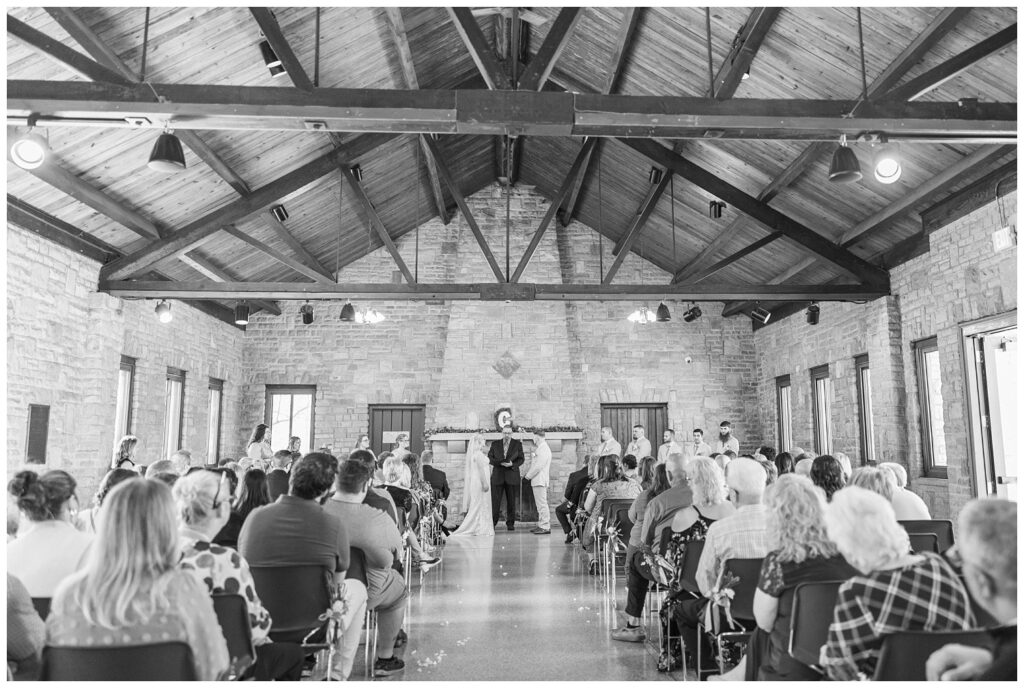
<point>924,542</point>
<point>233,615</point>
<point>664,540</point>
<point>620,519</point>
<point>942,528</point>
<point>811,616</point>
<point>691,557</point>
<point>42,605</point>
<point>748,571</point>
<point>904,654</point>
<point>295,596</point>
<point>356,565</point>
<point>157,662</point>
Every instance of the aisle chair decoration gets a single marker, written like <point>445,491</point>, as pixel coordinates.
<point>334,617</point>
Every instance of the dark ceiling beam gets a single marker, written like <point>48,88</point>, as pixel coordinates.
<point>197,231</point>
<point>994,185</point>
<point>90,42</point>
<point>205,267</point>
<point>204,152</point>
<point>543,62</point>
<point>63,55</point>
<point>944,21</point>
<point>637,225</point>
<point>744,48</point>
<point>620,51</point>
<point>480,291</point>
<point>760,211</point>
<point>933,78</point>
<point>543,113</point>
<point>267,250</point>
<point>401,40</point>
<point>377,223</point>
<point>729,260</point>
<point>307,258</point>
<point>481,52</point>
<point>434,153</point>
<point>272,32</point>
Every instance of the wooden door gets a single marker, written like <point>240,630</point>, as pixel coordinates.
<point>622,417</point>
<point>389,420</point>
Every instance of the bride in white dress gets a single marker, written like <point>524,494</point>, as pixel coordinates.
<point>476,497</point>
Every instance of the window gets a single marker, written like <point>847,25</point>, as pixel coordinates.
<point>867,428</point>
<point>929,397</point>
<point>821,393</point>
<point>174,411</point>
<point>38,431</point>
<point>213,427</point>
<point>125,390</point>
<point>290,413</point>
<point>784,404</point>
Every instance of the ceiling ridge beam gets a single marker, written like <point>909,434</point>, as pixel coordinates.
<point>200,264</point>
<point>377,223</point>
<point>637,225</point>
<point>744,49</point>
<point>539,69</point>
<point>83,34</point>
<point>482,53</point>
<point>296,265</point>
<point>62,54</point>
<point>272,32</point>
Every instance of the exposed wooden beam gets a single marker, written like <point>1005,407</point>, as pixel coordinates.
<point>933,78</point>
<point>90,42</point>
<point>194,233</point>
<point>636,226</point>
<point>272,31</point>
<point>481,291</point>
<point>543,113</point>
<point>377,223</point>
<point>543,62</point>
<point>761,211</point>
<point>729,260</point>
<point>197,262</point>
<point>481,52</point>
<point>434,153</point>
<point>204,152</point>
<point>296,246</point>
<point>63,55</point>
<point>33,219</point>
<point>563,191</point>
<point>945,21</point>
<point>744,48</point>
<point>994,185</point>
<point>267,250</point>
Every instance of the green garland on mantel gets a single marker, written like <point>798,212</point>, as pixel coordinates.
<point>519,428</point>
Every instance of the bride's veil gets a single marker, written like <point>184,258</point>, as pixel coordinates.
<point>472,449</point>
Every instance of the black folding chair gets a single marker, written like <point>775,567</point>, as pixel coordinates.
<point>156,662</point>
<point>688,573</point>
<point>357,571</point>
<point>296,596</point>
<point>747,571</point>
<point>233,615</point>
<point>943,530</point>
<point>904,654</point>
<point>810,618</point>
<point>924,542</point>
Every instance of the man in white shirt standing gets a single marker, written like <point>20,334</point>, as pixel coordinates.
<point>539,477</point>
<point>725,439</point>
<point>669,446</point>
<point>608,443</point>
<point>698,447</point>
<point>640,446</point>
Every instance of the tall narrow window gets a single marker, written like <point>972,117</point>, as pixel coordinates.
<point>174,411</point>
<point>213,426</point>
<point>784,404</point>
<point>125,390</point>
<point>929,397</point>
<point>867,428</point>
<point>821,393</point>
<point>289,413</point>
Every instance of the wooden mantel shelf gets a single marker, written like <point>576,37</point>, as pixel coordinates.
<point>466,436</point>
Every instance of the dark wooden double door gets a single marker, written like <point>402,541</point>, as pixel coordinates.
<point>389,420</point>
<point>622,417</point>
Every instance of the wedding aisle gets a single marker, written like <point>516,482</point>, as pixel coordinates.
<point>516,606</point>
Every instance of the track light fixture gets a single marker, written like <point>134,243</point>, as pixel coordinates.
<point>812,314</point>
<point>655,176</point>
<point>307,314</point>
<point>692,313</point>
<point>348,312</point>
<point>357,172</point>
<point>663,314</point>
<point>844,167</point>
<point>886,161</point>
<point>242,313</point>
<point>271,60</point>
<point>279,212</point>
<point>31,150</point>
<point>715,209</point>
<point>167,154</point>
<point>163,311</point>
<point>760,315</point>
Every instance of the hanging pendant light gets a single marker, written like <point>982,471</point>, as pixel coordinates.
<point>845,166</point>
<point>348,312</point>
<point>307,314</point>
<point>663,314</point>
<point>163,311</point>
<point>167,154</point>
<point>242,313</point>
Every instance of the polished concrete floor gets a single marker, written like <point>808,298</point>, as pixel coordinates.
<point>517,607</point>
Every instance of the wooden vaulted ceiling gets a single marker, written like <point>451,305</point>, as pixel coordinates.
<point>794,54</point>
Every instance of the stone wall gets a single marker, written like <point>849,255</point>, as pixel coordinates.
<point>64,347</point>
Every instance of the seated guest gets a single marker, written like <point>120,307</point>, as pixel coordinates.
<point>158,468</point>
<point>377,497</point>
<point>295,530</point>
<point>614,485</point>
<point>771,472</point>
<point>48,548</point>
<point>25,633</point>
<point>87,519</point>
<point>228,535</point>
<point>363,444</point>
<point>125,453</point>
<point>378,474</point>
<point>803,467</point>
<point>645,471</point>
<point>988,549</point>
<point>399,480</point>
<point>767,451</point>
<point>784,463</point>
<point>844,461</point>
<point>895,591</point>
<point>203,509</point>
<point>722,460</point>
<point>277,478</point>
<point>182,460</point>
<point>439,482</point>
<point>827,473</point>
<point>574,487</point>
<point>629,468</point>
<point>907,505</point>
<point>130,590</point>
<point>638,573</point>
<point>377,536</point>
<point>879,480</point>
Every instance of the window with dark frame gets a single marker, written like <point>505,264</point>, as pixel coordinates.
<point>174,411</point>
<point>291,412</point>
<point>213,426</point>
<point>125,394</point>
<point>867,427</point>
<point>38,432</point>
<point>929,397</point>
<point>822,409</point>
<point>784,406</point>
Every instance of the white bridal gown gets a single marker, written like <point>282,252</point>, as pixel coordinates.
<point>478,519</point>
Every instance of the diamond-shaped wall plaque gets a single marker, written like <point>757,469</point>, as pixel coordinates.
<point>506,365</point>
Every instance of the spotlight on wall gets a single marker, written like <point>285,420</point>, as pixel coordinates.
<point>692,313</point>
<point>271,59</point>
<point>760,315</point>
<point>307,314</point>
<point>167,154</point>
<point>29,151</point>
<point>663,314</point>
<point>242,313</point>
<point>348,312</point>
<point>845,166</point>
<point>812,314</point>
<point>163,311</point>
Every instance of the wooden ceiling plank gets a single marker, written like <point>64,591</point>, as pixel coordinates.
<point>296,265</point>
<point>90,42</point>
<point>200,264</point>
<point>272,32</point>
<point>377,223</point>
<point>935,77</point>
<point>33,219</point>
<point>63,55</point>
<point>945,21</point>
<point>729,260</point>
<point>296,246</point>
<point>434,153</point>
<point>637,225</point>
<point>539,69</point>
<point>481,52</point>
<point>744,49</point>
<point>213,160</point>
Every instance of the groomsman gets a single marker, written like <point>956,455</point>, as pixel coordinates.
<point>539,475</point>
<point>608,443</point>
<point>669,447</point>
<point>640,446</point>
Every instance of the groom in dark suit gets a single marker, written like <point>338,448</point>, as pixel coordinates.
<point>505,457</point>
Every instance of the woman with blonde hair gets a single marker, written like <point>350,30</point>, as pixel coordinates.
<point>124,453</point>
<point>131,590</point>
<point>878,480</point>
